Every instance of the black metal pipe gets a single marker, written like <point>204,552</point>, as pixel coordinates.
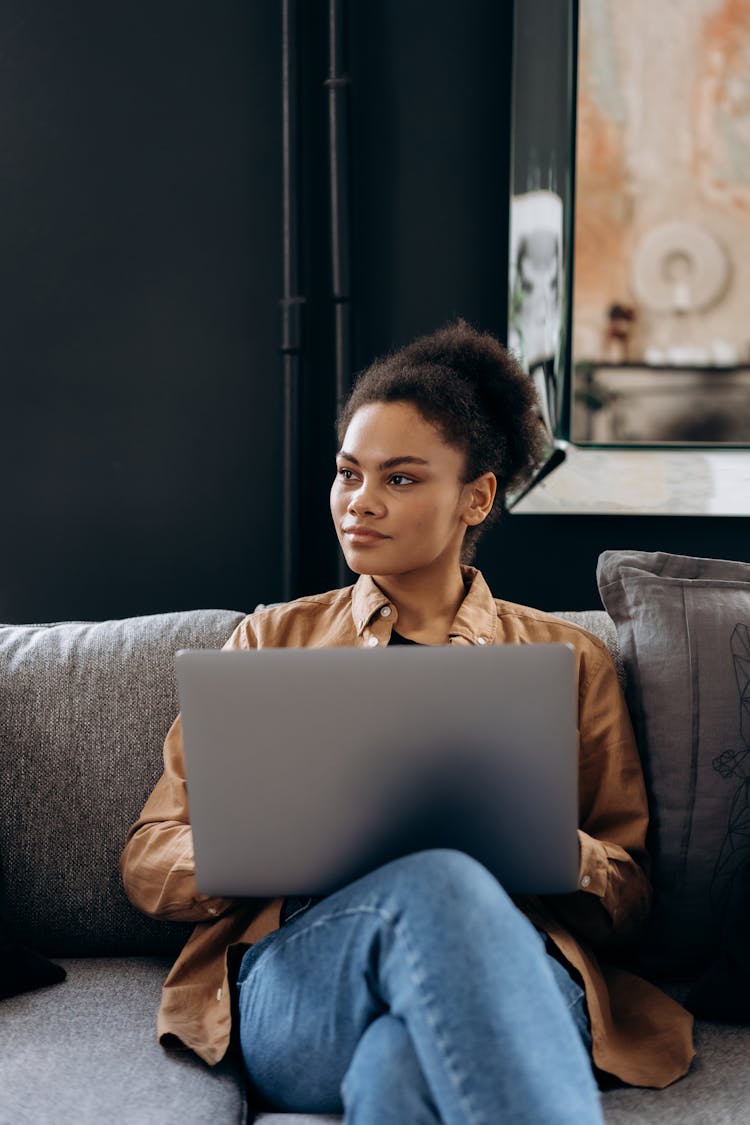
<point>338,84</point>
<point>292,303</point>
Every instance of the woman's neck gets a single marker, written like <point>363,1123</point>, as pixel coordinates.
<point>426,606</point>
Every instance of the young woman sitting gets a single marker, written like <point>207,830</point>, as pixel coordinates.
<point>422,993</point>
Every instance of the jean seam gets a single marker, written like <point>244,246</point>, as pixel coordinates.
<point>418,979</point>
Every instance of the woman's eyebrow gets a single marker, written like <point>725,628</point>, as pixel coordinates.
<point>389,464</point>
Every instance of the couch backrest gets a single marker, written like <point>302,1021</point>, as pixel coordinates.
<point>84,709</point>
<point>599,623</point>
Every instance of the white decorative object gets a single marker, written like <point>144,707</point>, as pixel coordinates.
<point>679,268</point>
<point>536,221</point>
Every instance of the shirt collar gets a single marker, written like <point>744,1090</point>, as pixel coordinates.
<point>475,622</point>
<point>367,601</point>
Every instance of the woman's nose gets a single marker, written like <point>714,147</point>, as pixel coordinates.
<point>365,501</point>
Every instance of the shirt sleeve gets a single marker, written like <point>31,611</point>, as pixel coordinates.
<point>614,895</point>
<point>157,862</point>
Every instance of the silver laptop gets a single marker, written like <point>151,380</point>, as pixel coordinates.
<point>307,768</point>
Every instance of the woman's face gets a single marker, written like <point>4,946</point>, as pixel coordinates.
<point>398,500</point>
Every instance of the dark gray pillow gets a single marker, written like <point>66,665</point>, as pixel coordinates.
<point>682,624</point>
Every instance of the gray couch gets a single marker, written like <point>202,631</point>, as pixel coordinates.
<point>83,712</point>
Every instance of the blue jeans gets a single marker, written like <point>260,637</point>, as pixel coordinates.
<point>416,995</point>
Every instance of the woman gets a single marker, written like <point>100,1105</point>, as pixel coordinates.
<point>422,993</point>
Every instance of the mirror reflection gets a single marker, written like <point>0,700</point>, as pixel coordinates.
<point>661,301</point>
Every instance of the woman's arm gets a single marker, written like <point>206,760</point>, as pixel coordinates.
<point>158,870</point>
<point>157,863</point>
<point>614,896</point>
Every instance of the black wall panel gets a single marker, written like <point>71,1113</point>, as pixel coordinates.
<point>139,279</point>
<point>431,176</point>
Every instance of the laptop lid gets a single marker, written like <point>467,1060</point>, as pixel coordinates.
<point>307,768</point>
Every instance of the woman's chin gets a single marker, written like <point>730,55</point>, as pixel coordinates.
<point>356,564</point>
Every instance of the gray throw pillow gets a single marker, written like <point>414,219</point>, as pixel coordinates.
<point>683,625</point>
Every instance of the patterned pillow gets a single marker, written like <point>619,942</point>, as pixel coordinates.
<point>684,630</point>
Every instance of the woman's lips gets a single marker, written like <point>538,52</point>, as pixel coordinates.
<point>363,536</point>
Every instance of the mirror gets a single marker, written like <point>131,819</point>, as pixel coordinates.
<point>661,300</point>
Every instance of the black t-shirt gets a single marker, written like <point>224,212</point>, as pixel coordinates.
<point>397,639</point>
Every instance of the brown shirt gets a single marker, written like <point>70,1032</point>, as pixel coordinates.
<point>639,1034</point>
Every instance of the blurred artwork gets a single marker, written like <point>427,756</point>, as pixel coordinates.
<point>660,328</point>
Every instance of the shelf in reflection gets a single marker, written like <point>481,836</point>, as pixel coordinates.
<point>633,481</point>
<point>635,403</point>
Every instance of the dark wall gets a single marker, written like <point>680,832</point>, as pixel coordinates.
<point>139,187</point>
<point>140,180</point>
<point>431,167</point>
<point>550,561</point>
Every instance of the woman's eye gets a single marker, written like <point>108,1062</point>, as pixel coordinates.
<point>400,479</point>
<point>344,474</point>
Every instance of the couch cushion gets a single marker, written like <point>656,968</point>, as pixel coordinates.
<point>715,1091</point>
<point>84,709</point>
<point>680,622</point>
<point>85,1052</point>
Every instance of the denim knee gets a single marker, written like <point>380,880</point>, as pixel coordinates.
<point>440,877</point>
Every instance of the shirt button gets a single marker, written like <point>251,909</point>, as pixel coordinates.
<point>481,640</point>
<point>385,611</point>
<point>372,641</point>
<point>586,880</point>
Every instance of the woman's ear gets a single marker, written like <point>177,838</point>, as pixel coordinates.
<point>480,498</point>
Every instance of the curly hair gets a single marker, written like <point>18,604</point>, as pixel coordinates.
<point>474,391</point>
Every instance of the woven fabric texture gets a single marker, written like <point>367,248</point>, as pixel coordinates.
<point>84,709</point>
<point>85,1052</point>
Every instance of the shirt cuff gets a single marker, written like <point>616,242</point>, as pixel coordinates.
<point>212,906</point>
<point>593,868</point>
